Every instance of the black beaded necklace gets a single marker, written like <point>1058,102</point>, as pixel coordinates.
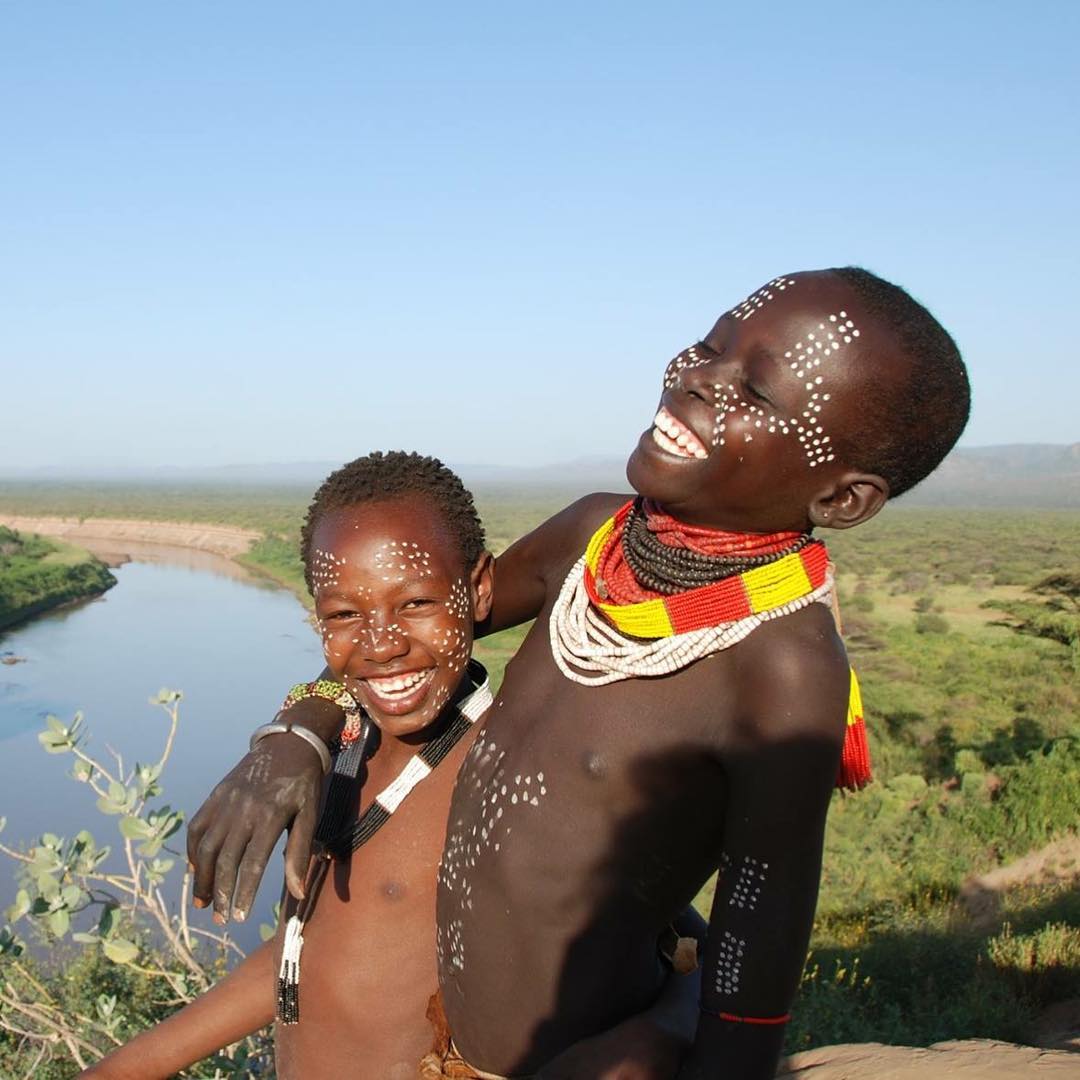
<point>671,570</point>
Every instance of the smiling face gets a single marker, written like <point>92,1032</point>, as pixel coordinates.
<point>751,419</point>
<point>396,607</point>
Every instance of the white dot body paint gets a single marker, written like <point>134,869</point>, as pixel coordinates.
<point>503,798</point>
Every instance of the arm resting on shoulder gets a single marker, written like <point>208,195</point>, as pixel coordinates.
<point>239,1005</point>
<point>523,572</point>
<point>274,787</point>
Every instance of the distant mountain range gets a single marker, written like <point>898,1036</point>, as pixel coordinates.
<point>1021,475</point>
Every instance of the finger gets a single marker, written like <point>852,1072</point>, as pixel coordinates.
<point>298,848</point>
<point>204,860</point>
<point>197,827</point>
<point>250,872</point>
<point>228,860</point>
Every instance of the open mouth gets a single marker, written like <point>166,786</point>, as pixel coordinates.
<point>675,437</point>
<point>397,694</point>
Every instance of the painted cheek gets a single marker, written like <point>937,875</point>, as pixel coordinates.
<point>740,420</point>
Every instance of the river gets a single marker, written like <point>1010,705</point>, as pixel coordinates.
<point>177,618</point>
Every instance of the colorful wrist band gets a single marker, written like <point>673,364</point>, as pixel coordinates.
<point>280,728</point>
<point>731,1018</point>
<point>334,692</point>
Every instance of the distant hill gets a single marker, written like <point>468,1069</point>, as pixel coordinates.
<point>1021,475</point>
<point>1026,474</point>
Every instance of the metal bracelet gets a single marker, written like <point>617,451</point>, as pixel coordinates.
<point>280,728</point>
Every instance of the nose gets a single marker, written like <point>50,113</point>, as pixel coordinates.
<point>384,643</point>
<point>697,372</point>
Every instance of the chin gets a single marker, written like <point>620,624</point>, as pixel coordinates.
<point>659,476</point>
<point>398,727</point>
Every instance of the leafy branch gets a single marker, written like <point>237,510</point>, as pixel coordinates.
<point>67,890</point>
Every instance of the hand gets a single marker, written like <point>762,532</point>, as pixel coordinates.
<point>634,1050</point>
<point>229,841</point>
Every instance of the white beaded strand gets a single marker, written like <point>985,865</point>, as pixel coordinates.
<point>582,641</point>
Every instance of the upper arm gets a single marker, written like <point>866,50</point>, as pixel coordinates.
<point>525,570</point>
<point>780,768</point>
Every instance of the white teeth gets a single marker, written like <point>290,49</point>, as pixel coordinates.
<point>675,438</point>
<point>397,685</point>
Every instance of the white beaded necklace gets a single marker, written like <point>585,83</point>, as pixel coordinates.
<point>581,637</point>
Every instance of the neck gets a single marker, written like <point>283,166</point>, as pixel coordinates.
<point>730,521</point>
<point>395,747</point>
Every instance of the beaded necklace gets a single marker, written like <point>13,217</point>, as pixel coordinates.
<point>737,595</point>
<point>663,556</point>
<point>597,640</point>
<point>338,838</point>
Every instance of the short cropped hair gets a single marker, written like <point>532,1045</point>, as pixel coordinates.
<point>379,476</point>
<point>911,424</point>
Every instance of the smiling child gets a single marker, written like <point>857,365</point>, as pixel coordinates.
<point>394,556</point>
<point>681,702</point>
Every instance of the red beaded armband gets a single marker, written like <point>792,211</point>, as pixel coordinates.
<point>731,1018</point>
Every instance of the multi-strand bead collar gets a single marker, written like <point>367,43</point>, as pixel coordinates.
<point>792,569</point>
<point>608,625</point>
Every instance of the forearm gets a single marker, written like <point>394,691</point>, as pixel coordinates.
<point>763,910</point>
<point>733,1051</point>
<point>239,1005</point>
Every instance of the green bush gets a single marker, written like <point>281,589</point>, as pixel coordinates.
<point>931,623</point>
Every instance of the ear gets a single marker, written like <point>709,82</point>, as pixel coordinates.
<point>851,500</point>
<point>482,586</point>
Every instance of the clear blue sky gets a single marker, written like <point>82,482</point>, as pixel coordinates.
<point>257,232</point>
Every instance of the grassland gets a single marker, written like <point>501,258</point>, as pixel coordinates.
<point>964,628</point>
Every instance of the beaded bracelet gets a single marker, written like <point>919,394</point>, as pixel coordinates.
<point>334,692</point>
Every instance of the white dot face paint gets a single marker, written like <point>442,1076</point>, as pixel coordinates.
<point>756,301</point>
<point>807,362</point>
<point>688,358</point>
<point>394,609</point>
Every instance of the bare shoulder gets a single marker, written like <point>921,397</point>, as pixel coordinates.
<point>528,571</point>
<point>793,678</point>
<point>562,538</point>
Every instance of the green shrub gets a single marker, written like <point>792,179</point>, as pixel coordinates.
<point>931,623</point>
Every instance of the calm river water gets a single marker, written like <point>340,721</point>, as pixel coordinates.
<point>178,619</point>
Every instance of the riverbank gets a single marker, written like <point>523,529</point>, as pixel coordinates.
<point>227,540</point>
<point>38,575</point>
<point>117,539</point>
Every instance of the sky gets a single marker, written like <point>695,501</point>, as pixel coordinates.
<point>281,232</point>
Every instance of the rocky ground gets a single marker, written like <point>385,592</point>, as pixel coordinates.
<point>970,1059</point>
